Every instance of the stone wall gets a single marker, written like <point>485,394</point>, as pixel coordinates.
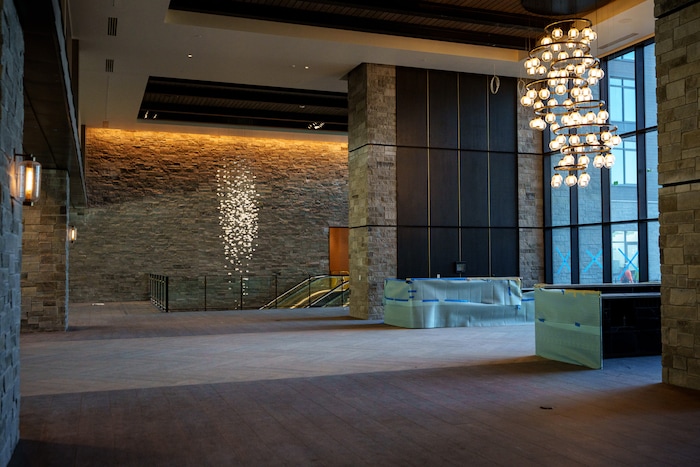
<point>45,256</point>
<point>678,90</point>
<point>372,167</point>
<point>193,205</point>
<point>530,200</point>
<point>11,124</point>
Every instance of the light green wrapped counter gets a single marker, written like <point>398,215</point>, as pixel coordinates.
<point>454,302</point>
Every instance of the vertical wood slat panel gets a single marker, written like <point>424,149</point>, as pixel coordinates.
<point>474,189</point>
<point>413,255</point>
<point>444,251</point>
<point>444,188</point>
<point>411,107</point>
<point>443,108</point>
<point>412,186</point>
<point>473,112</point>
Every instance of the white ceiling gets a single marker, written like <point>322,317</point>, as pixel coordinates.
<point>151,41</point>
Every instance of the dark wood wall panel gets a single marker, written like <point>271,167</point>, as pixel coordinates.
<point>412,186</point>
<point>504,252</point>
<point>411,107</point>
<point>474,174</point>
<point>503,113</point>
<point>456,174</point>
<point>443,110</point>
<point>504,190</point>
<point>412,246</point>
<point>444,188</point>
<point>475,252</point>
<point>473,112</point>
<point>444,251</point>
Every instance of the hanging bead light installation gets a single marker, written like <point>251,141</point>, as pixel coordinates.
<point>564,73</point>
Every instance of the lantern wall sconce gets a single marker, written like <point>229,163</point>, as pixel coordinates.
<point>72,234</point>
<point>26,179</point>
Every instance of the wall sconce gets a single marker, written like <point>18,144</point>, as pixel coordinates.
<point>27,179</point>
<point>72,234</point>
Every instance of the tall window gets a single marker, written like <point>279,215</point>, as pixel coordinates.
<point>609,231</point>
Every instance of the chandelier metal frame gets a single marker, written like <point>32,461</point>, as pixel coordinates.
<point>563,72</point>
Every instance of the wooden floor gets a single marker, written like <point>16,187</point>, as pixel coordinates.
<point>130,386</point>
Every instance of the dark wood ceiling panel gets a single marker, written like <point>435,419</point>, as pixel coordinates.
<point>190,101</point>
<point>500,24</point>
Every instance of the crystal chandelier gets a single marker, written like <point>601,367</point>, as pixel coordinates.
<point>563,73</point>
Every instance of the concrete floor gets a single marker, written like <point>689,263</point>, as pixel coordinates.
<point>127,385</point>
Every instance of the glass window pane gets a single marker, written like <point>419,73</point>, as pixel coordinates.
<point>589,199</point>
<point>652,174</point>
<point>654,252</point>
<point>590,255</point>
<point>621,87</point>
<point>649,86</point>
<point>623,181</point>
<point>561,256</point>
<point>560,197</point>
<point>625,253</point>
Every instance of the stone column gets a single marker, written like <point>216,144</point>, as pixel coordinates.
<point>530,200</point>
<point>11,132</point>
<point>45,256</point>
<point>678,86</point>
<point>372,185</point>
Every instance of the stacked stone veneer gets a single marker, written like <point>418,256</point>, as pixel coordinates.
<point>530,200</point>
<point>372,166</point>
<point>678,84</point>
<point>154,208</point>
<point>11,124</point>
<point>45,256</point>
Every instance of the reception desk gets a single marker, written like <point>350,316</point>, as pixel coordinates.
<point>455,302</point>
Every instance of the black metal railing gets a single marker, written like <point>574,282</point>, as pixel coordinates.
<point>158,285</point>
<point>231,292</point>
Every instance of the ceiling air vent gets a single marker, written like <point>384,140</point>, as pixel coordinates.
<point>109,65</point>
<point>111,26</point>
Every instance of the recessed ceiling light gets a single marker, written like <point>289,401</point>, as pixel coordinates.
<point>307,67</point>
<point>189,55</point>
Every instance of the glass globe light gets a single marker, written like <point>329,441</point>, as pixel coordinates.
<point>592,36</point>
<point>552,82</point>
<point>576,117</point>
<point>557,33</point>
<point>562,55</point>
<point>568,160</point>
<point>560,90</point>
<point>556,47</point>
<point>532,94</point>
<point>550,118</point>
<point>570,180</point>
<point>571,45</point>
<point>570,68</point>
<point>566,120</point>
<point>592,81</point>
<point>599,161</point>
<point>552,103</point>
<point>531,71</point>
<point>573,33</point>
<point>538,105</point>
<point>568,103</point>
<point>591,117</point>
<point>554,127</point>
<point>574,140</point>
<point>561,139</point>
<point>586,32</point>
<point>609,161</point>
<point>535,61</point>
<point>578,53</point>
<point>616,140</point>
<point>605,136</point>
<point>603,115</point>
<point>554,145</point>
<point>525,101</point>
<point>580,69</point>
<point>546,40</point>
<point>583,180</point>
<point>575,92</point>
<point>546,56</point>
<point>541,70</point>
<point>591,139</point>
<point>584,160</point>
<point>544,94</point>
<point>556,181</point>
